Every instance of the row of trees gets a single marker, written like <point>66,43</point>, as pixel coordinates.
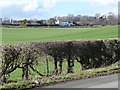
<point>90,54</point>
<point>99,19</point>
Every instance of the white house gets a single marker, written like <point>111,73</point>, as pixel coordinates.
<point>64,23</point>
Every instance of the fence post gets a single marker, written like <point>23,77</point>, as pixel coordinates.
<point>47,65</point>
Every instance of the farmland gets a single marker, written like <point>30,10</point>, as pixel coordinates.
<point>20,35</point>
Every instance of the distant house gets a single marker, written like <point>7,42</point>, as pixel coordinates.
<point>57,22</point>
<point>91,18</point>
<point>64,23</point>
<point>33,22</point>
<point>0,20</point>
<point>15,22</point>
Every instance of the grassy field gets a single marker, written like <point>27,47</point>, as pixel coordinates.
<point>19,35</point>
<point>42,68</point>
<point>22,84</point>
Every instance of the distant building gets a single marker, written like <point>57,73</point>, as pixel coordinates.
<point>33,22</point>
<point>57,22</point>
<point>91,18</point>
<point>0,20</point>
<point>15,22</point>
<point>64,23</point>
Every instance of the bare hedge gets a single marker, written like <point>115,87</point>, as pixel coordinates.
<point>91,54</point>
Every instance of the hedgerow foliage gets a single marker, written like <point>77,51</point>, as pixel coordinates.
<point>91,54</point>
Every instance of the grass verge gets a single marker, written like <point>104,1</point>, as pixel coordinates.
<point>44,81</point>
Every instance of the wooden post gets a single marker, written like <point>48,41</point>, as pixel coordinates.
<point>47,65</point>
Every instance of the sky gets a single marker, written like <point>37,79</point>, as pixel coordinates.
<point>44,9</point>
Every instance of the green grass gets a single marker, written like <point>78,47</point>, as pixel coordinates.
<point>20,35</point>
<point>41,67</point>
<point>22,84</point>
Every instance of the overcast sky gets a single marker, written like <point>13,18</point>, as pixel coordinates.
<point>44,9</point>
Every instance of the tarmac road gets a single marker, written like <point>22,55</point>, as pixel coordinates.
<point>110,81</point>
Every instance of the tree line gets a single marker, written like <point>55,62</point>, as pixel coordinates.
<point>90,54</point>
<point>79,20</point>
